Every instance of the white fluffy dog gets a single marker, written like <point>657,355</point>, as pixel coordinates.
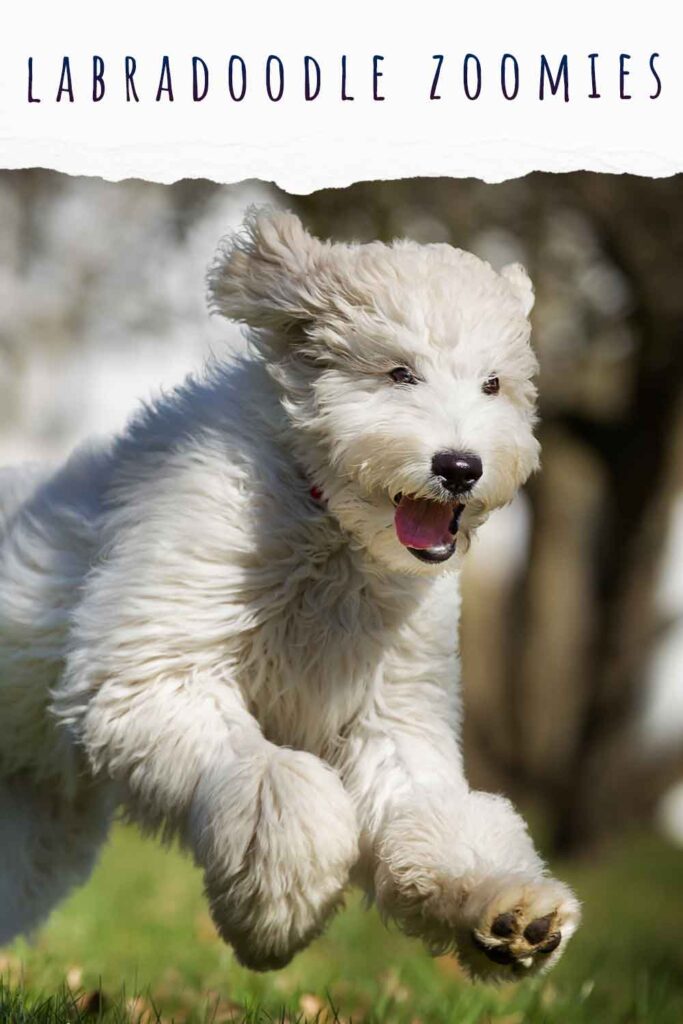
<point>238,621</point>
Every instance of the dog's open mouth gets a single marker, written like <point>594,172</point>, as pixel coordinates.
<point>427,528</point>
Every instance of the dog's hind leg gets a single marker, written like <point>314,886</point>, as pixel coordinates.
<point>48,845</point>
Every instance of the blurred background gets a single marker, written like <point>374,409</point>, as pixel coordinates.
<point>572,633</point>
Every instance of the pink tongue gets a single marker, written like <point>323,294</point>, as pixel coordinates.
<point>423,524</point>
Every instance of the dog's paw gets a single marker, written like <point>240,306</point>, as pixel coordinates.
<point>515,927</point>
<point>295,865</point>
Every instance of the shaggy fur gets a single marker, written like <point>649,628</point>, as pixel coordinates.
<point>212,621</point>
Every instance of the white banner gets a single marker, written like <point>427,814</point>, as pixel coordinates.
<point>311,94</point>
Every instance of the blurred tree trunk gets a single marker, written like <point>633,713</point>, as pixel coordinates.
<point>620,545</point>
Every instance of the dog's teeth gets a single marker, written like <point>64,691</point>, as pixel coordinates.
<point>455,521</point>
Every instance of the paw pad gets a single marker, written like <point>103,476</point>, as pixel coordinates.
<point>504,925</point>
<point>512,942</point>
<point>538,930</point>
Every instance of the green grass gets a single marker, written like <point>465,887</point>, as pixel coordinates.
<point>141,928</point>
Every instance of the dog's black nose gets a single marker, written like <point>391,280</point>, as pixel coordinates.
<point>458,471</point>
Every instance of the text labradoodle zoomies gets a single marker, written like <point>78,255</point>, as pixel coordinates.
<point>469,76</point>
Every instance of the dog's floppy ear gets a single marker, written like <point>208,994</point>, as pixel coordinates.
<point>517,277</point>
<point>264,274</point>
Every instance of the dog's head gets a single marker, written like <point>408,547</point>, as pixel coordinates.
<point>406,371</point>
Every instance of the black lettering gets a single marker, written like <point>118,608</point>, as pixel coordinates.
<point>593,94</point>
<point>344,94</point>
<point>231,82</point>
<point>197,94</point>
<point>376,75</point>
<point>554,84</point>
<point>438,57</point>
<point>310,63</point>
<point>65,83</point>
<point>466,76</point>
<point>656,94</point>
<point>623,74</point>
<point>130,65</point>
<point>31,97</point>
<point>275,97</point>
<point>503,76</point>
<point>165,83</point>
<point>97,79</point>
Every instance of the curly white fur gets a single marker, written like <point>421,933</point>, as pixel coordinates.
<point>271,677</point>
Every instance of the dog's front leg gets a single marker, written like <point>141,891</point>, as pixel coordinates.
<point>450,865</point>
<point>272,828</point>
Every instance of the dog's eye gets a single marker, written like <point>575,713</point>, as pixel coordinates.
<point>491,385</point>
<point>402,375</point>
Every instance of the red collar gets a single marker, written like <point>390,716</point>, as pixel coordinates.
<point>317,495</point>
